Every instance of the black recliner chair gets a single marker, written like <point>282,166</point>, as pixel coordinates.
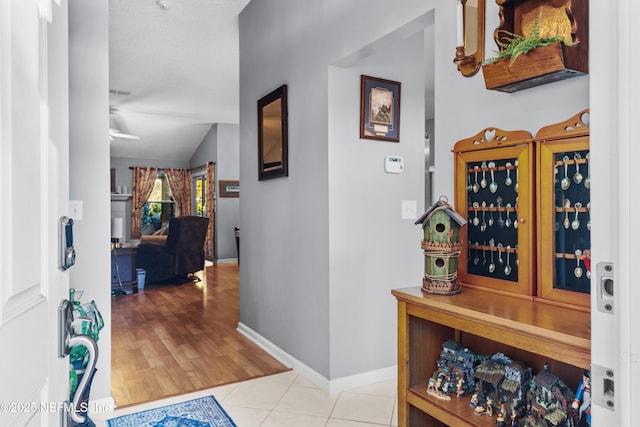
<point>181,255</point>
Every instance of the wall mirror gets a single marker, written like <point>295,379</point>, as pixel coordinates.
<point>470,36</point>
<point>272,134</point>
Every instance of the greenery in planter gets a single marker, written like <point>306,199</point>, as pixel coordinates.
<point>517,45</point>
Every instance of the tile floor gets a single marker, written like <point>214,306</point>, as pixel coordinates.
<point>287,399</point>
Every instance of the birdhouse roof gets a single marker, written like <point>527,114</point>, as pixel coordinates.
<point>446,208</point>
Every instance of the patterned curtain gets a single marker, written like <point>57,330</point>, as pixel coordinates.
<point>180,185</point>
<point>143,180</point>
<point>209,244</point>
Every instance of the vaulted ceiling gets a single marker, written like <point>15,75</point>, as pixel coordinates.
<point>173,72</point>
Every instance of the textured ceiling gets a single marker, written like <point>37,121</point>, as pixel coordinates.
<point>173,65</point>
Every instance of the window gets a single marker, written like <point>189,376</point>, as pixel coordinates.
<point>199,199</point>
<point>160,207</point>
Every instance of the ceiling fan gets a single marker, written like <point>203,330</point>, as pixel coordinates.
<point>115,133</point>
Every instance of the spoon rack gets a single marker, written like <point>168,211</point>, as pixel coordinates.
<point>564,213</point>
<point>546,242</point>
<point>500,211</point>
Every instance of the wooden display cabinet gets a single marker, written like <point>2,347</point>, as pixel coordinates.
<point>564,225</point>
<point>486,323</point>
<point>494,182</point>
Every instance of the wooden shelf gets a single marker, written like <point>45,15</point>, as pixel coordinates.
<point>454,412</point>
<point>545,64</point>
<point>486,323</point>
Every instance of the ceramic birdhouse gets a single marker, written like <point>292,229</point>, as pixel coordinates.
<point>442,246</point>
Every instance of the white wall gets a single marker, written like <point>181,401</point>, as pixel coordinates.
<point>89,178</point>
<point>314,275</point>
<point>372,249</point>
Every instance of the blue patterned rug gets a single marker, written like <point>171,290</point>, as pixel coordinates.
<point>202,412</point>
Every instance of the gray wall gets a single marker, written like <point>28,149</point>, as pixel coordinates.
<point>221,145</point>
<point>323,247</point>
<point>89,167</point>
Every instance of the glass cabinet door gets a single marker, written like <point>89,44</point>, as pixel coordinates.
<point>495,191</point>
<point>565,225</point>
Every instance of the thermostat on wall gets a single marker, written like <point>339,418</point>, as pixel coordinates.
<point>393,164</point>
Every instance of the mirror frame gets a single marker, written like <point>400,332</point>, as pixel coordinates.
<point>281,167</point>
<point>469,65</point>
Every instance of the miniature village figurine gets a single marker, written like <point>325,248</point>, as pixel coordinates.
<point>502,416</point>
<point>582,400</point>
<point>474,400</point>
<point>460,387</point>
<point>434,387</point>
<point>489,412</point>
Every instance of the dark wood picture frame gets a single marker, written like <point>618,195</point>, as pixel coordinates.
<point>379,109</point>
<point>273,144</point>
<point>229,188</point>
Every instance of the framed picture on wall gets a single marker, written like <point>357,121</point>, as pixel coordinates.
<point>229,188</point>
<point>379,109</point>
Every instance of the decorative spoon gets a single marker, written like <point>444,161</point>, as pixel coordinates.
<point>575,224</point>
<point>515,187</point>
<point>577,177</point>
<point>567,206</point>
<point>578,270</point>
<point>587,180</point>
<point>490,214</point>
<point>501,222</point>
<point>476,220</point>
<point>476,186</point>
<point>493,187</point>
<point>492,265</point>
<point>500,260</point>
<point>515,222</point>
<point>483,181</point>
<point>589,216</point>
<point>507,268</point>
<point>508,181</point>
<point>566,182</point>
<point>508,221</point>
<point>476,259</point>
<point>483,226</point>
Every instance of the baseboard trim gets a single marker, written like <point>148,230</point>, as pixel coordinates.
<point>222,260</point>
<point>329,386</point>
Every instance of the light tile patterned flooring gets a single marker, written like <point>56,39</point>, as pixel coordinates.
<point>287,399</point>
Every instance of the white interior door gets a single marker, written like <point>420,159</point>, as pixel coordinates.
<point>34,187</point>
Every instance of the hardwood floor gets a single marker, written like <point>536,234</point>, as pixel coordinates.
<point>169,340</point>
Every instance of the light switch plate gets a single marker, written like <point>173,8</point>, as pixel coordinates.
<point>409,209</point>
<point>75,209</point>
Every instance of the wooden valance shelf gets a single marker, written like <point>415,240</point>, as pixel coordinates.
<point>546,64</point>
